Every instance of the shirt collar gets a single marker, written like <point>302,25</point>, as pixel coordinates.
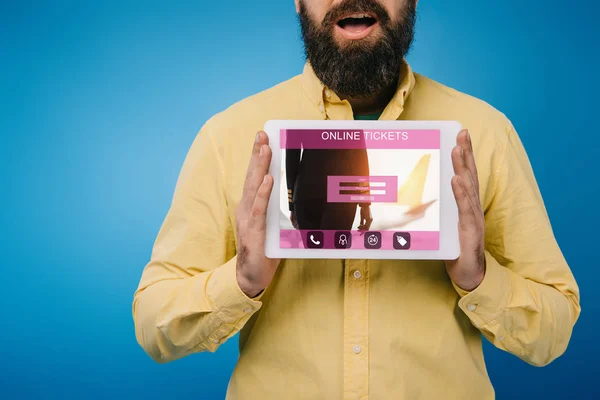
<point>329,103</point>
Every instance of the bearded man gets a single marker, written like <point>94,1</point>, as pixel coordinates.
<point>356,329</point>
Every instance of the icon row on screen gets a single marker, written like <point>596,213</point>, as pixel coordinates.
<point>343,240</point>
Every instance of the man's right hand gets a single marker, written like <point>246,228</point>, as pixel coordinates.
<point>294,220</point>
<point>254,270</point>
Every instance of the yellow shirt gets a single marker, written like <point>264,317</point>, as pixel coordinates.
<point>355,329</point>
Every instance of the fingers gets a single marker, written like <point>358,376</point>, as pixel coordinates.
<point>261,168</point>
<point>260,139</point>
<point>464,141</point>
<point>465,184</point>
<point>461,169</point>
<point>258,167</point>
<point>466,210</point>
<point>294,220</point>
<point>365,224</point>
<point>258,213</point>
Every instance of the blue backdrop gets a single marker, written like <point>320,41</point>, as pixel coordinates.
<point>102,99</point>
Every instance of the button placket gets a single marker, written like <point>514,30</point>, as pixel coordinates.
<point>356,329</point>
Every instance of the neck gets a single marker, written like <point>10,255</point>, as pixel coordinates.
<point>378,102</point>
<point>372,104</point>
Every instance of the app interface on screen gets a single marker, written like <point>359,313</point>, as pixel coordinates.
<point>360,189</point>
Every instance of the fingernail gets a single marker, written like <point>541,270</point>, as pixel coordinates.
<point>257,137</point>
<point>462,152</point>
<point>469,140</point>
<point>260,153</point>
<point>265,179</point>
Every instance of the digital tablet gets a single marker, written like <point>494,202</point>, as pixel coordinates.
<point>362,190</point>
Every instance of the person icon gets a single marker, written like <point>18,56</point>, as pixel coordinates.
<point>342,240</point>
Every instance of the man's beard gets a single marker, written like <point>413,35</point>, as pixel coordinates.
<point>361,68</point>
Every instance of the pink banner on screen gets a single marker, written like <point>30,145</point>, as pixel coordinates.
<point>360,139</point>
<point>350,189</point>
<point>419,240</point>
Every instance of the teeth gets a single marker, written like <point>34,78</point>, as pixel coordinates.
<point>359,16</point>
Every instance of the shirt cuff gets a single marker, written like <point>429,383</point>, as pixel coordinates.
<point>225,295</point>
<point>488,300</point>
<point>461,292</point>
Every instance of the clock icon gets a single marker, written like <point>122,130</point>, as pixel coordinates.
<point>373,240</point>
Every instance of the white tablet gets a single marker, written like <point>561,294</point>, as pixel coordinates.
<point>362,189</point>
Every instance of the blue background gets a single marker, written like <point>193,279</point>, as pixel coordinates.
<point>101,101</point>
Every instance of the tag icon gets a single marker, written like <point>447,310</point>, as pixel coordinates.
<point>401,240</point>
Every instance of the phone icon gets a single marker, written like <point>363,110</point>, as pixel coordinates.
<point>315,240</point>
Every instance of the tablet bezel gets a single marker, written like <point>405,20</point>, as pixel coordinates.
<point>449,242</point>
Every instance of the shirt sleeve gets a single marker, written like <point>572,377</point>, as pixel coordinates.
<point>188,299</point>
<point>528,301</point>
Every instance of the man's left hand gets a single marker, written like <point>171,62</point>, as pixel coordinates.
<point>468,270</point>
<point>366,219</point>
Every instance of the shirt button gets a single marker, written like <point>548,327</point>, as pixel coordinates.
<point>356,349</point>
<point>501,338</point>
<point>215,341</point>
<point>247,310</point>
<point>357,274</point>
<point>327,93</point>
<point>321,107</point>
<point>471,307</point>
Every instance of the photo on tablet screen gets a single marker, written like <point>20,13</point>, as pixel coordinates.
<point>360,189</point>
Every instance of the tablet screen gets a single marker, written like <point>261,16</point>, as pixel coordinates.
<point>360,189</point>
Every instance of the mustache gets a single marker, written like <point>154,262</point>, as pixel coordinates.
<point>356,6</point>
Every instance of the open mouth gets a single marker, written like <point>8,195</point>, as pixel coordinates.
<point>356,26</point>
